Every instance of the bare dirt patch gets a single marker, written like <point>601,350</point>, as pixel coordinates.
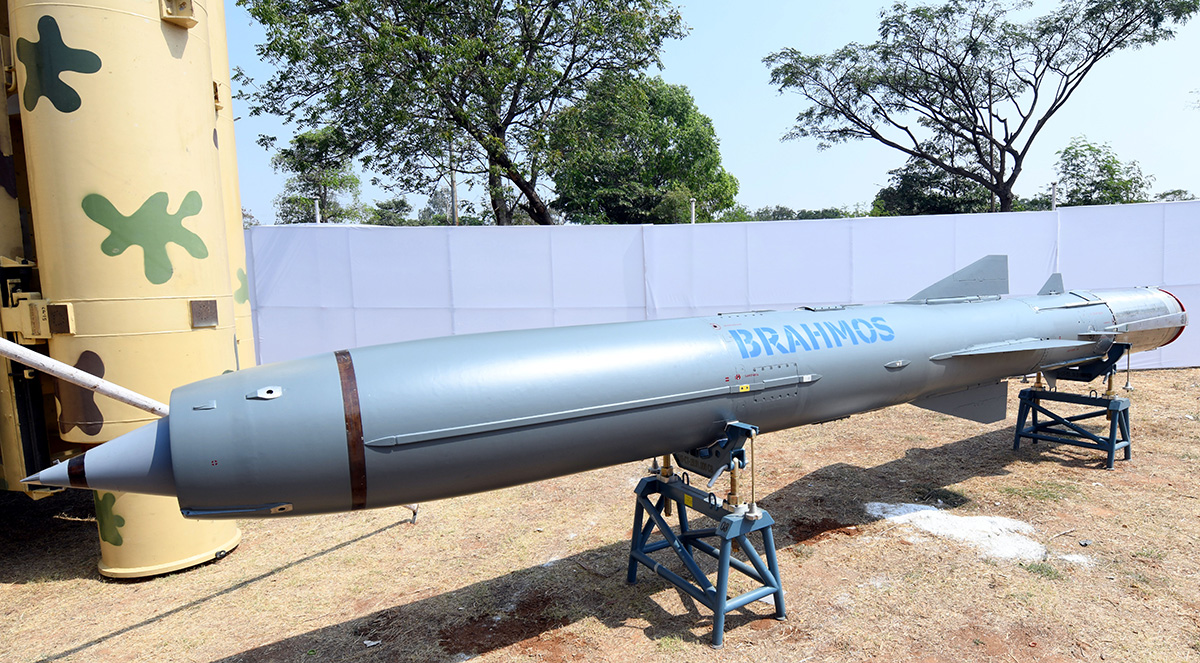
<point>537,573</point>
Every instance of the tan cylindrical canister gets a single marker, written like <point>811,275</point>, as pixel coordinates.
<point>227,153</point>
<point>118,115</point>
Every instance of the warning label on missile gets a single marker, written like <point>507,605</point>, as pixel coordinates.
<point>835,334</point>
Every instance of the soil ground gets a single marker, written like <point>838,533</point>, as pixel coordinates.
<point>537,572</point>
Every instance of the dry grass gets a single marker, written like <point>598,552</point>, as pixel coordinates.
<point>538,572</point>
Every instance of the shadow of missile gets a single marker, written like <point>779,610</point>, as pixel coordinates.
<point>532,602</point>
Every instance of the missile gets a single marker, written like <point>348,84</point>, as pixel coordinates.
<point>436,418</point>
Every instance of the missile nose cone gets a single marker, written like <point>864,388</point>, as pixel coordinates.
<point>137,462</point>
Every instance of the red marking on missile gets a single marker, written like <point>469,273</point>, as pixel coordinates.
<point>1181,310</point>
<point>354,431</point>
<point>75,473</point>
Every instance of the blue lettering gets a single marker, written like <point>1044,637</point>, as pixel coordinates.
<point>793,339</point>
<point>841,331</point>
<point>811,336</point>
<point>866,339</point>
<point>746,343</point>
<point>770,338</point>
<point>885,332</point>
<point>817,325</point>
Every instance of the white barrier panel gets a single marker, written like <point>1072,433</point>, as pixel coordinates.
<point>318,288</point>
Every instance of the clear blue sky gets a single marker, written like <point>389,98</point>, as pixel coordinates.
<point>1141,102</point>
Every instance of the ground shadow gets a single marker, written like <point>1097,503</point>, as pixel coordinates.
<point>53,538</point>
<point>525,604</point>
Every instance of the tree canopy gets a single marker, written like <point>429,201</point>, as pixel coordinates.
<point>321,171</point>
<point>919,188</point>
<point>966,74</point>
<point>1092,174</point>
<point>637,150</point>
<point>420,87</point>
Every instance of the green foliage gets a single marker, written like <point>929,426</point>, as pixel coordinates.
<point>421,88</point>
<point>1091,174</point>
<point>965,78</point>
<point>636,150</point>
<point>737,213</point>
<point>321,171</point>
<point>392,212</point>
<point>1174,196</point>
<point>783,213</point>
<point>919,188</point>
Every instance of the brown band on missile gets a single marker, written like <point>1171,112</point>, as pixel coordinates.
<point>354,431</point>
<point>75,473</point>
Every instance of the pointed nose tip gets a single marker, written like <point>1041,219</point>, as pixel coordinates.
<point>137,462</point>
<point>57,475</point>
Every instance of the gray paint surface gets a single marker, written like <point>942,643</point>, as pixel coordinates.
<point>458,415</point>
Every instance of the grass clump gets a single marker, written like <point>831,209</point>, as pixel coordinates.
<point>1044,570</point>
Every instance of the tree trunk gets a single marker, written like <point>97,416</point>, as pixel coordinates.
<point>1006,200</point>
<point>537,207</point>
<point>496,192</point>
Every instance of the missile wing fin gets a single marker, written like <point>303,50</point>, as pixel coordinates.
<point>985,403</point>
<point>1053,286</point>
<point>984,277</point>
<point>1019,345</point>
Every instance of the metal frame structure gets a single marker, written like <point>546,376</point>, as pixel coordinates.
<point>733,528</point>
<point>1065,430</point>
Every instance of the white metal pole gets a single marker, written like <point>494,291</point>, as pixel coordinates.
<point>84,379</point>
<point>693,210</point>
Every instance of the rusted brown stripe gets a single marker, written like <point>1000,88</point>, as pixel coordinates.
<point>75,473</point>
<point>354,430</point>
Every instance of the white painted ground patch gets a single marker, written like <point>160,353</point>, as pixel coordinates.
<point>992,536</point>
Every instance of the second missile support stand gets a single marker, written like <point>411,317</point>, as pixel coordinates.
<point>1064,429</point>
<point>734,526</point>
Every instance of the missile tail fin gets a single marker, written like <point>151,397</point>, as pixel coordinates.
<point>1054,286</point>
<point>986,276</point>
<point>985,403</point>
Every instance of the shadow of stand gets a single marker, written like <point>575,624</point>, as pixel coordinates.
<point>532,602</point>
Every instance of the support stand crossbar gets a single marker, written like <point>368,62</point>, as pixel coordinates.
<point>732,528</point>
<point>1064,430</point>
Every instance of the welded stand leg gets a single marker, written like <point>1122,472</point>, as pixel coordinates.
<point>773,567</point>
<point>722,596</point>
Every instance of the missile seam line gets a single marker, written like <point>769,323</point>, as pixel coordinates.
<point>354,430</point>
<point>563,415</point>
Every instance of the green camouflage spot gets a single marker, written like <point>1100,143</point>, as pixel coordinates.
<point>3,483</point>
<point>46,60</point>
<point>242,294</point>
<point>109,522</point>
<point>151,227</point>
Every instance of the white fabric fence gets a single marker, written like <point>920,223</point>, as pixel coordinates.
<point>318,288</point>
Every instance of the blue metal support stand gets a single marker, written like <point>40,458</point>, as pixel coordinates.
<point>733,528</point>
<point>1064,430</point>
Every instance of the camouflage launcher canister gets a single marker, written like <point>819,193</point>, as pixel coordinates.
<point>124,156</point>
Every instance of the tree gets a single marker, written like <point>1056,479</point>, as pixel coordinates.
<point>321,169</point>
<point>409,79</point>
<point>636,149</point>
<point>1092,174</point>
<point>919,188</point>
<point>1174,196</point>
<point>963,73</point>
<point>782,213</point>
<point>392,212</point>
<point>248,220</point>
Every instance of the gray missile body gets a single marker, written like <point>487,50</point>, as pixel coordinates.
<point>421,420</point>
